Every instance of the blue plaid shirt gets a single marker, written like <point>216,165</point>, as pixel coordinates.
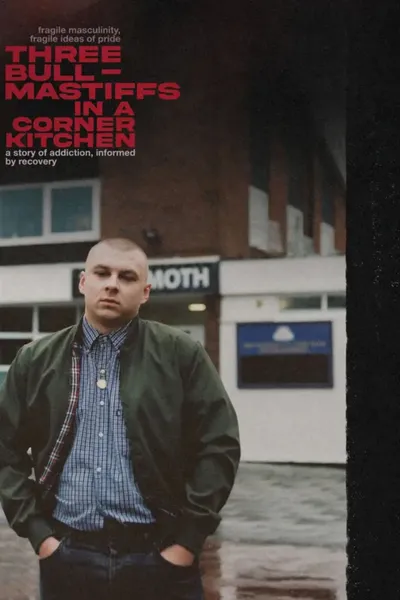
<point>97,480</point>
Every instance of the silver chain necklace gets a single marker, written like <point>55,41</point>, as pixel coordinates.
<point>102,377</point>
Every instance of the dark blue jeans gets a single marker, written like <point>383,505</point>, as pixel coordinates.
<point>78,571</point>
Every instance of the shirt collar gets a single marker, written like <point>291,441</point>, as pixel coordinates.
<point>91,335</point>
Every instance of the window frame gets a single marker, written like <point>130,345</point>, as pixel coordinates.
<point>307,309</point>
<point>287,386</point>
<point>34,332</point>
<point>336,295</point>
<point>48,237</point>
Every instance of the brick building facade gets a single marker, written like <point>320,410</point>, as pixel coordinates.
<point>217,172</point>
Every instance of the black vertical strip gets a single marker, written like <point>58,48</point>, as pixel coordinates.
<point>297,169</point>
<point>327,193</point>
<point>373,308</point>
<point>310,200</point>
<point>295,133</point>
<point>259,115</point>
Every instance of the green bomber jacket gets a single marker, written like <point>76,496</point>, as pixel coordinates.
<point>182,429</point>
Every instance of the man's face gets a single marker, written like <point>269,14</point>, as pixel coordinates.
<point>114,284</point>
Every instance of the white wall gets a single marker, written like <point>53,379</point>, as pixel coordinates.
<point>307,426</point>
<point>25,284</point>
<point>283,276</point>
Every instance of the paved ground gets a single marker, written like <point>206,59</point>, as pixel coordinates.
<point>283,536</point>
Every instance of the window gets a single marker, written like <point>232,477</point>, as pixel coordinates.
<point>71,209</point>
<point>9,349</point>
<point>16,318</point>
<point>300,302</point>
<point>50,212</point>
<point>337,301</point>
<point>54,318</point>
<point>19,325</point>
<point>284,355</point>
<point>21,213</point>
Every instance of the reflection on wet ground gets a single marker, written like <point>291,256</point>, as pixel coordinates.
<point>283,536</point>
<point>239,572</point>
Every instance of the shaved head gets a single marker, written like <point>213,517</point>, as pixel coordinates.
<point>114,282</point>
<point>122,244</point>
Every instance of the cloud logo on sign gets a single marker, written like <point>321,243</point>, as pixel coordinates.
<point>283,334</point>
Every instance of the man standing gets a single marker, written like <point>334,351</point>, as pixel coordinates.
<point>134,444</point>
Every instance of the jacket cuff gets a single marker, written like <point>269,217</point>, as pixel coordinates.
<point>39,530</point>
<point>188,536</point>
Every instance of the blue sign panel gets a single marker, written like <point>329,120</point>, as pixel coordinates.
<point>286,338</point>
<point>285,355</point>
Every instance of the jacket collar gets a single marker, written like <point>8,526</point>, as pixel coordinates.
<point>91,335</point>
<point>134,329</point>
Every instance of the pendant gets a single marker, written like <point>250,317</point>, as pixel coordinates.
<point>101,383</point>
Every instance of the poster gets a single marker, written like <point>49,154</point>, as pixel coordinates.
<point>208,133</point>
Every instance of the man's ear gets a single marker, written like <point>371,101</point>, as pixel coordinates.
<point>146,293</point>
<point>82,280</point>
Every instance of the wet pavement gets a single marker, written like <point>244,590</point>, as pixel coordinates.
<point>283,536</point>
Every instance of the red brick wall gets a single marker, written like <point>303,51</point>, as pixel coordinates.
<point>339,211</point>
<point>317,206</point>
<point>189,179</point>
<point>231,57</point>
<point>278,186</point>
<point>340,222</point>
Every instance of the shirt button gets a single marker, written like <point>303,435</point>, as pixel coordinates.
<point>101,434</point>
<point>98,469</point>
<point>102,403</point>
